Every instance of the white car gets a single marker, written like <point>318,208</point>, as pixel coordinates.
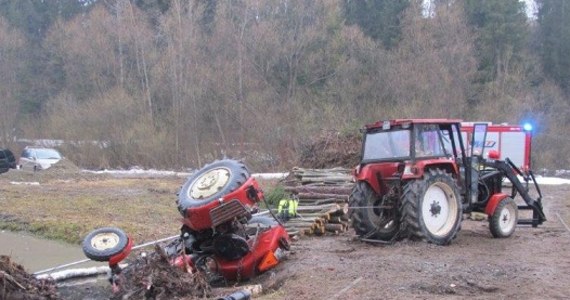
<point>38,158</point>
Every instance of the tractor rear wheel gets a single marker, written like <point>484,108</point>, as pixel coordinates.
<point>505,218</point>
<point>431,208</point>
<point>211,182</point>
<point>371,218</point>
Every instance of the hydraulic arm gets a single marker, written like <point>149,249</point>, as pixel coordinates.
<point>509,170</point>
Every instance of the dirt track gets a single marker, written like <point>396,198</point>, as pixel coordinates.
<point>533,264</point>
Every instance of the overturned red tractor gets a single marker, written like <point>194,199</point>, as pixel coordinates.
<point>416,179</point>
<point>219,235</point>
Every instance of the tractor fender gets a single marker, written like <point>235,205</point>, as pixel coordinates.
<point>373,174</point>
<point>493,202</point>
<point>366,174</point>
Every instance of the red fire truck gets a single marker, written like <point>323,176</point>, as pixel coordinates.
<point>512,141</point>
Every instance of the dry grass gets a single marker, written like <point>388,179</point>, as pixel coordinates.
<point>68,210</point>
<point>69,207</point>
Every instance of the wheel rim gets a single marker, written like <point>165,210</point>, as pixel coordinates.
<point>209,183</point>
<point>507,218</point>
<point>105,241</point>
<point>439,209</point>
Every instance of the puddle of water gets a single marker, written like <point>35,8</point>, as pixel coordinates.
<point>37,254</point>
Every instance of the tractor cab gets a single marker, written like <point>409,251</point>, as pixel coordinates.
<point>403,149</point>
<point>416,179</point>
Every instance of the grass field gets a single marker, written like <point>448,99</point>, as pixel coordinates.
<point>68,210</point>
<point>67,206</point>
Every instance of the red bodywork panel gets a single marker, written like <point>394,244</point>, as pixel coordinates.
<point>117,258</point>
<point>493,202</point>
<point>245,267</point>
<point>374,172</point>
<point>199,218</point>
<point>399,122</point>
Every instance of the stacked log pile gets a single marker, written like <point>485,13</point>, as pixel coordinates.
<point>323,200</point>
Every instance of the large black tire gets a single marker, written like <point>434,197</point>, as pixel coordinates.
<point>368,219</point>
<point>431,208</point>
<point>505,218</point>
<point>103,243</point>
<point>211,182</point>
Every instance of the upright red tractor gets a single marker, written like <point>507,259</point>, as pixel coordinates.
<point>416,179</point>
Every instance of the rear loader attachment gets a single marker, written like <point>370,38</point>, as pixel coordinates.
<point>509,170</point>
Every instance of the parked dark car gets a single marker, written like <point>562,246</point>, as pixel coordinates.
<point>7,160</point>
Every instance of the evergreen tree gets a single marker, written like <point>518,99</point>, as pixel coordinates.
<point>502,31</point>
<point>554,20</point>
<point>379,19</point>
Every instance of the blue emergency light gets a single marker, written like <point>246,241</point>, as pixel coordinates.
<point>527,127</point>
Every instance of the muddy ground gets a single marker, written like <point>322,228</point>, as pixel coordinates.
<point>533,264</point>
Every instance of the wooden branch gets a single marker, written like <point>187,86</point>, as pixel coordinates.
<point>12,279</point>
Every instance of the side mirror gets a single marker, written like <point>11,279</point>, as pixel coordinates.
<point>494,154</point>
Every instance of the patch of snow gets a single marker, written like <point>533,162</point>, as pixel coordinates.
<point>25,183</point>
<point>134,172</point>
<point>270,175</point>
<point>139,172</point>
<point>552,180</point>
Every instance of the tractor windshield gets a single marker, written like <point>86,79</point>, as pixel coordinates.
<point>428,142</point>
<point>385,145</point>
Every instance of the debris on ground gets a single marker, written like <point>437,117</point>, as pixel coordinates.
<point>331,149</point>
<point>16,283</point>
<point>63,170</point>
<point>153,277</point>
<point>63,166</point>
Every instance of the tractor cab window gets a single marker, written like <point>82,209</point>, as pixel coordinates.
<point>428,142</point>
<point>385,145</point>
<point>447,136</point>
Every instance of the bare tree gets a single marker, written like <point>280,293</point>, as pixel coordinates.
<point>11,45</point>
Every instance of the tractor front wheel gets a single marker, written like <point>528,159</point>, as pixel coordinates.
<point>431,208</point>
<point>371,217</point>
<point>505,218</point>
<point>104,243</point>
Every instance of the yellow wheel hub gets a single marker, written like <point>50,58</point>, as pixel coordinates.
<point>210,183</point>
<point>104,241</point>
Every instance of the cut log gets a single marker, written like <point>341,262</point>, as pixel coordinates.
<point>324,216</point>
<point>322,196</point>
<point>325,207</point>
<point>337,190</point>
<point>320,201</point>
<point>335,227</point>
<point>341,211</point>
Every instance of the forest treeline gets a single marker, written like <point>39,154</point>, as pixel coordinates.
<point>177,83</point>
